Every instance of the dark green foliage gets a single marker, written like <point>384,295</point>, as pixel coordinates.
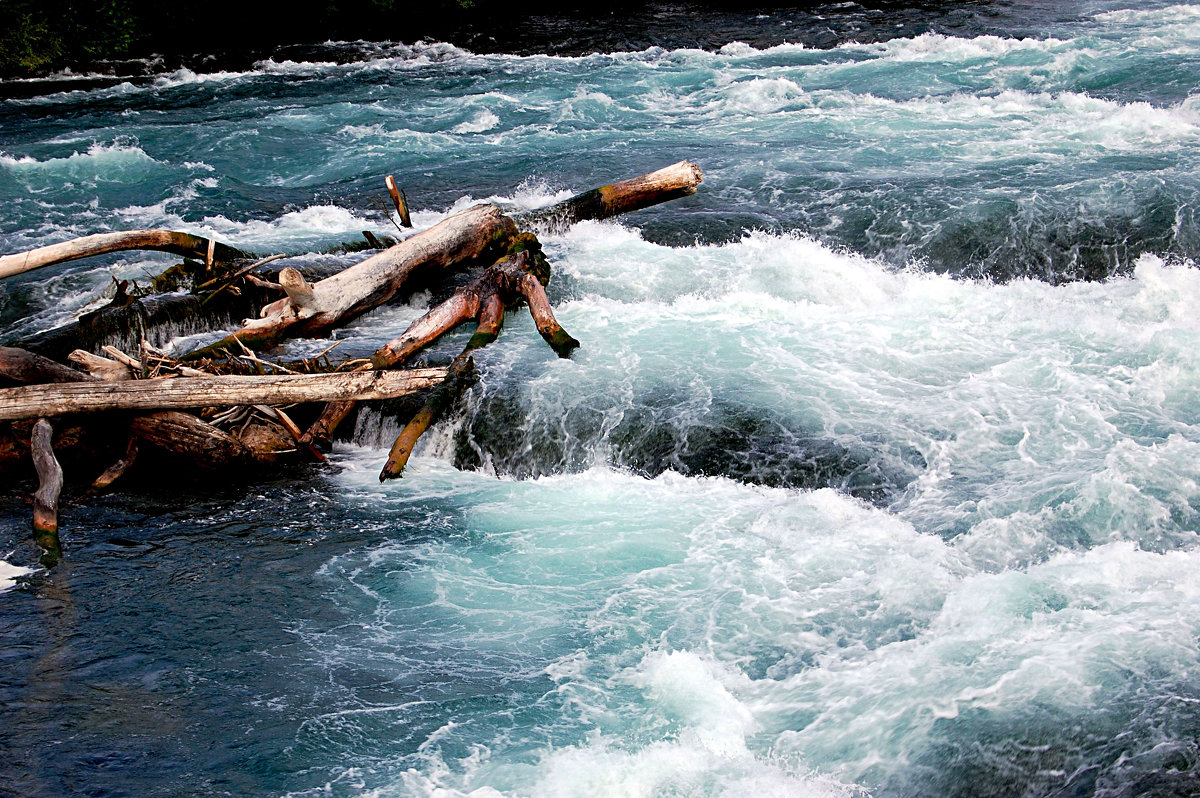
<point>39,36</point>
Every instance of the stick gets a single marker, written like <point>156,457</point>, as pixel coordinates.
<point>117,469</point>
<point>45,500</point>
<point>398,199</point>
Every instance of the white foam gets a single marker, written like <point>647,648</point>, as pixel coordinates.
<point>937,47</point>
<point>121,160</point>
<point>9,574</point>
<point>482,121</point>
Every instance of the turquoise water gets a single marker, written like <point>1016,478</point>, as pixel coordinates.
<point>876,472</point>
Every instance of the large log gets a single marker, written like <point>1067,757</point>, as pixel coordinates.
<point>184,435</point>
<point>518,276</point>
<point>475,233</point>
<point>671,182</point>
<point>36,401</point>
<point>103,243</point>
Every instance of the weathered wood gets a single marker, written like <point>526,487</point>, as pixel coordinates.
<point>399,200</point>
<point>34,401</point>
<point>103,243</point>
<point>183,435</point>
<point>515,275</point>
<point>117,469</point>
<point>179,434</point>
<point>299,292</point>
<point>491,319</point>
<point>474,233</point>
<point>23,366</point>
<point>101,367</point>
<point>671,182</point>
<point>45,500</point>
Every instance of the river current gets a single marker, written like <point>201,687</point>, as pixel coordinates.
<point>877,471</point>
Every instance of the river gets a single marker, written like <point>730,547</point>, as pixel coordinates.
<point>877,471</point>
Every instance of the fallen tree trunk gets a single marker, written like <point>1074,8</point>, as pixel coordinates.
<point>180,435</point>
<point>22,366</point>
<point>465,237</point>
<point>103,243</point>
<point>471,235</point>
<point>184,435</point>
<point>35,401</point>
<point>509,280</point>
<point>671,182</point>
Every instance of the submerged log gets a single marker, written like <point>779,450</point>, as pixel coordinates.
<point>671,182</point>
<point>34,401</point>
<point>103,243</point>
<point>45,500</point>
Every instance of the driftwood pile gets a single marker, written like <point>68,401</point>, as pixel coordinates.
<point>217,408</point>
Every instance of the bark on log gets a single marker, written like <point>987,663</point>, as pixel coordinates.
<point>474,233</point>
<point>671,182</point>
<point>35,401</point>
<point>184,435</point>
<point>102,243</point>
<point>45,500</point>
<point>21,366</point>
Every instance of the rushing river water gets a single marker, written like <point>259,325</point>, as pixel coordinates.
<point>877,472</point>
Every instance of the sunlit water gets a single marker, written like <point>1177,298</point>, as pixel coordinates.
<point>877,472</point>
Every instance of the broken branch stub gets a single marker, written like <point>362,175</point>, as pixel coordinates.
<point>398,199</point>
<point>299,292</point>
